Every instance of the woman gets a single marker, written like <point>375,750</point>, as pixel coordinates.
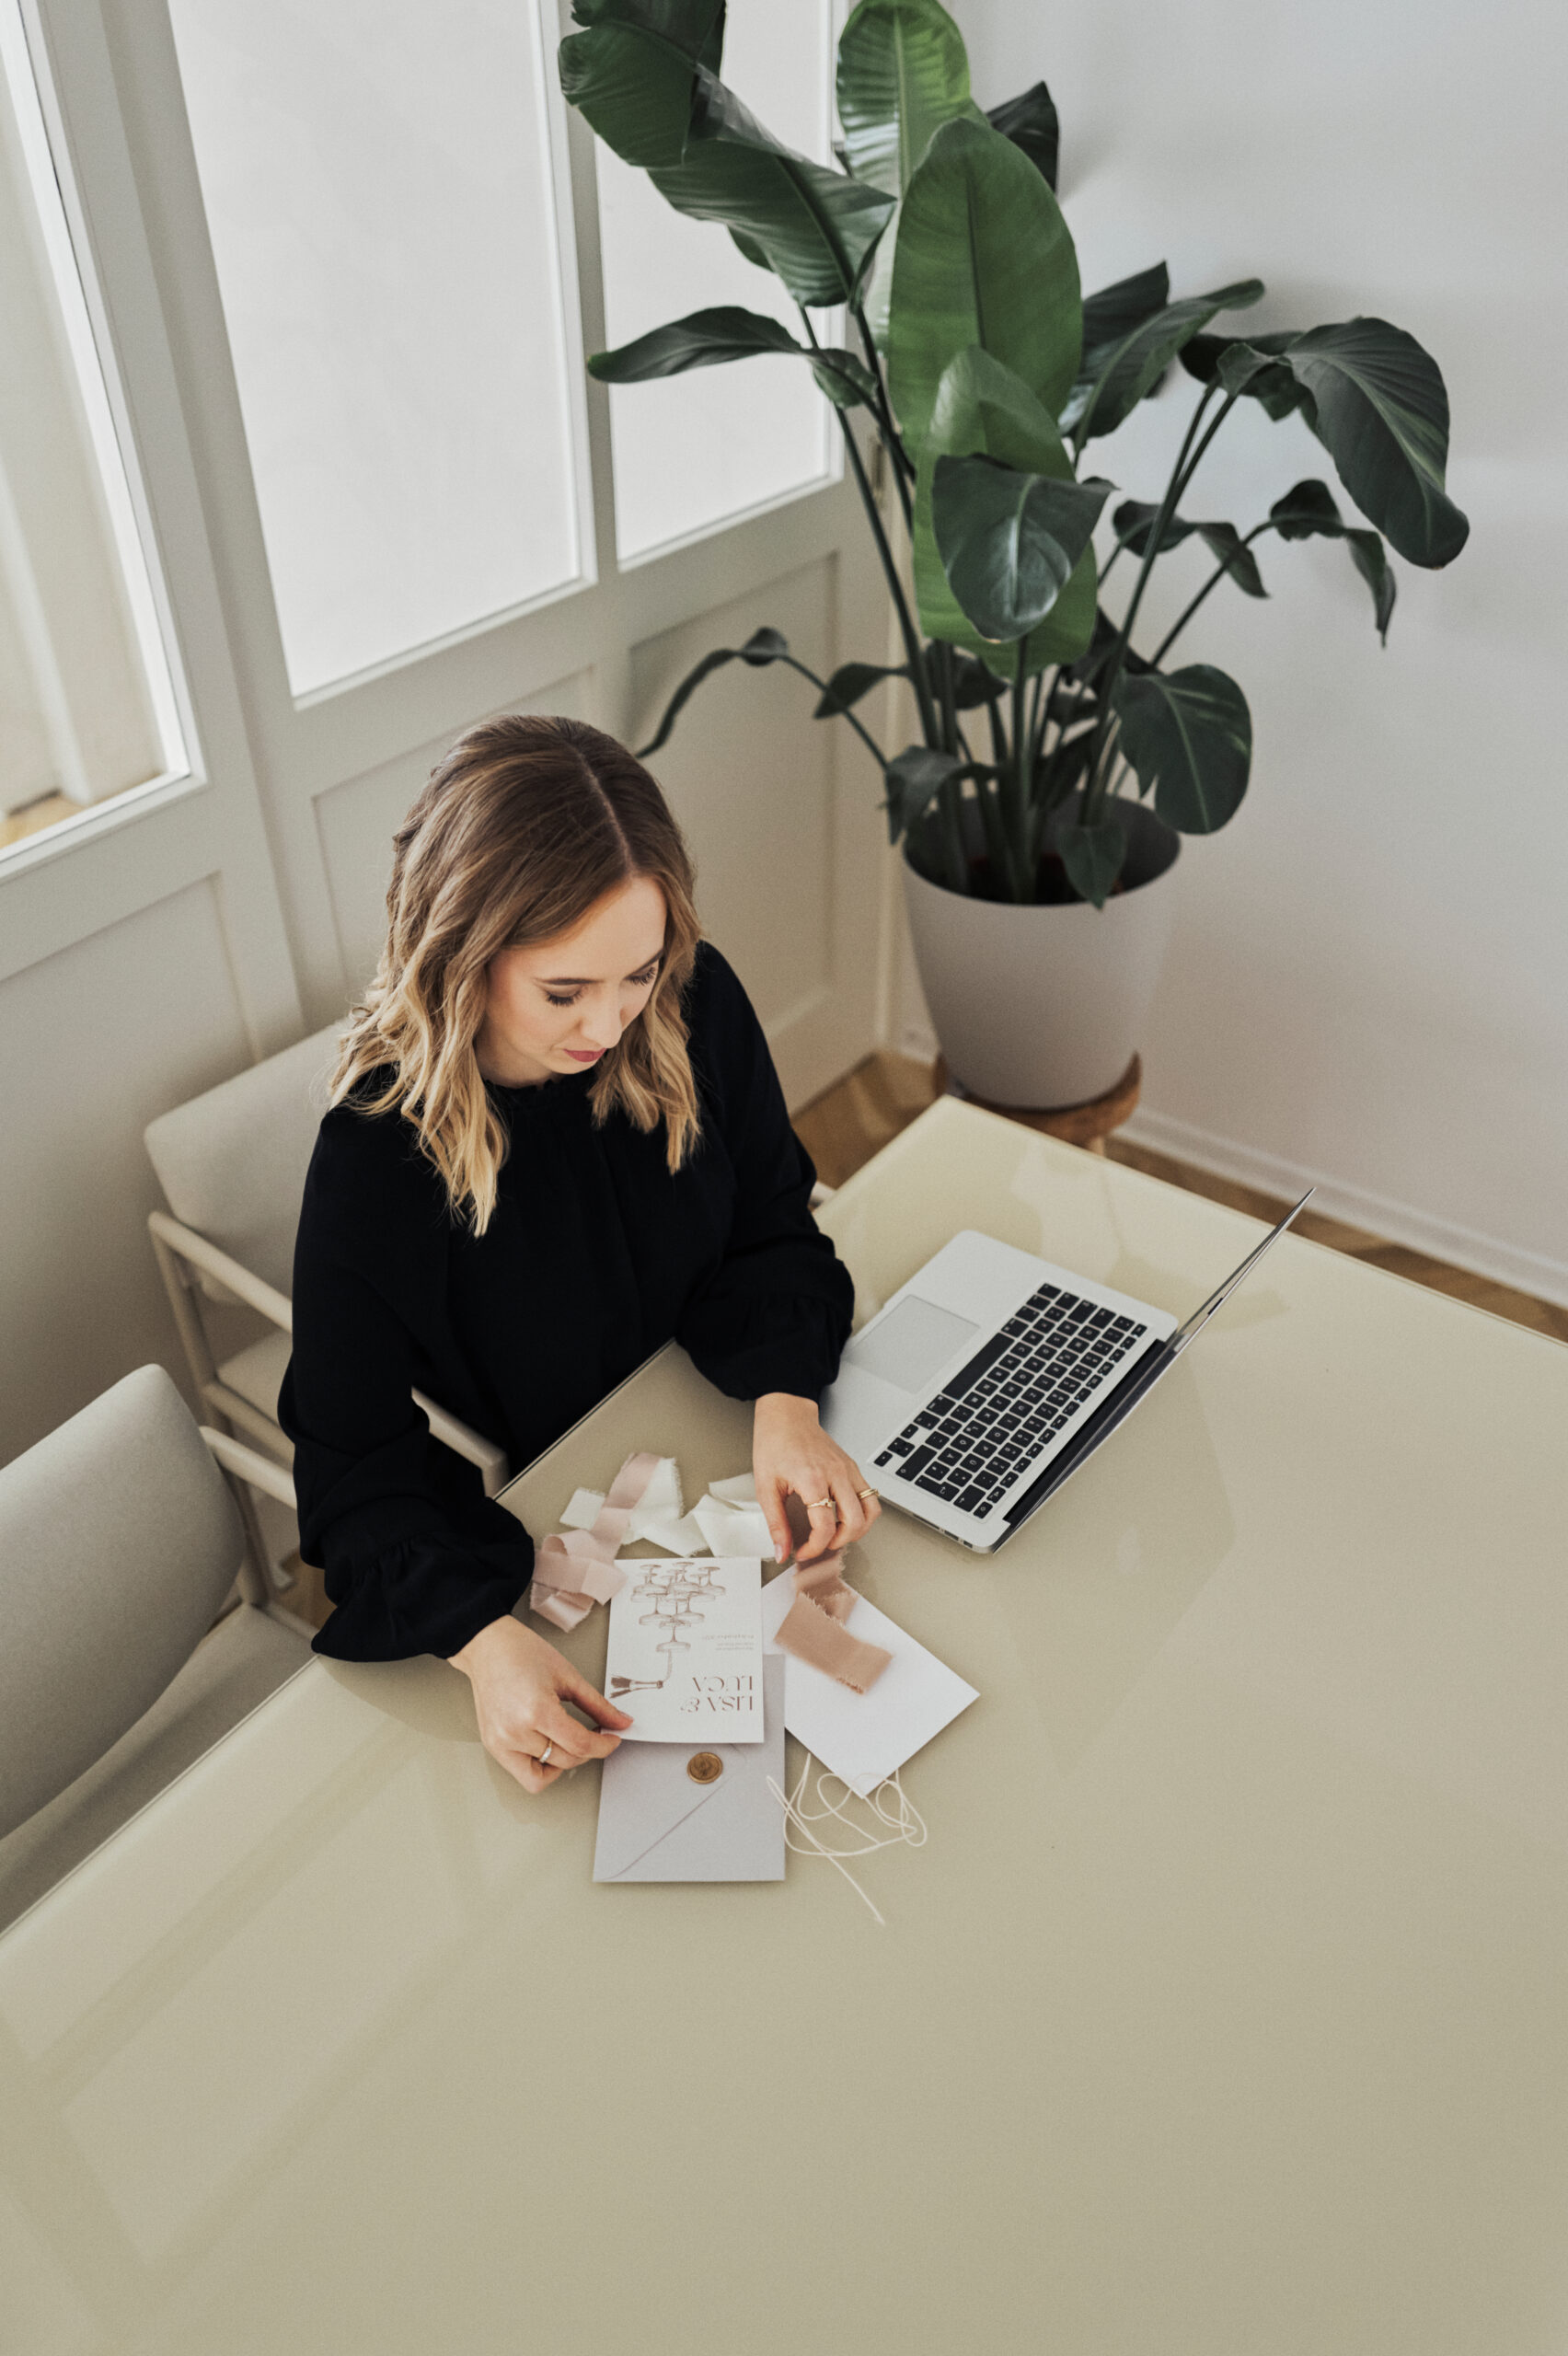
<point>557,1140</point>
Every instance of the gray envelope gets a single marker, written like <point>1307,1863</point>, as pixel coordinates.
<point>657,1824</point>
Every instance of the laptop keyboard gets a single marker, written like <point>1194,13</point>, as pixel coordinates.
<point>973,1440</point>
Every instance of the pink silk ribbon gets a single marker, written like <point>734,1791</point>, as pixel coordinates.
<point>813,1631</point>
<point>575,1569</point>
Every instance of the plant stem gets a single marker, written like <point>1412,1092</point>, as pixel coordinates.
<point>1180,476</point>
<point>892,440</point>
<point>999,734</point>
<point>900,458</point>
<point>870,742</point>
<point>1041,721</point>
<point>1018,775</point>
<point>912,645</point>
<point>1174,632</point>
<point>950,814</point>
<point>949,693</point>
<point>990,792</point>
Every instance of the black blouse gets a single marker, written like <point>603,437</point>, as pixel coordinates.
<point>595,1255</point>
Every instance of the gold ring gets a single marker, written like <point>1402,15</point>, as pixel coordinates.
<point>868,1493</point>
<point>819,1505</point>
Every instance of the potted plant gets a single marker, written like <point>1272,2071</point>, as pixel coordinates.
<point>1058,763</point>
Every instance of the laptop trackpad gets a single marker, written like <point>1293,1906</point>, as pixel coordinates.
<point>908,1345</point>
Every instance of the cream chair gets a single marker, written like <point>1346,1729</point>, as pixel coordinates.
<point>232,1165</point>
<point>120,1539</point>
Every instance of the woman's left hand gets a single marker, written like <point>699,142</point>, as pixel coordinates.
<point>791,1450</point>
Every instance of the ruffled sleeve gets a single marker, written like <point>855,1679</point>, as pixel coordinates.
<point>776,1312</point>
<point>416,1557</point>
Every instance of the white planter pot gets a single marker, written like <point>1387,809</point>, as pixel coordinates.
<point>1046,1006</point>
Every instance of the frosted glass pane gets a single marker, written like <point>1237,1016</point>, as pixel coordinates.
<point>694,451</point>
<point>378,188</point>
<point>87,704</point>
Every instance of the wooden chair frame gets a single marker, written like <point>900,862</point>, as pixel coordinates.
<point>184,1257</point>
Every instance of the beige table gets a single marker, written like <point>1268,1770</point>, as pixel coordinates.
<point>1225,2014</point>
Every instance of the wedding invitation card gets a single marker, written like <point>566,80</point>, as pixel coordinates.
<point>686,1649</point>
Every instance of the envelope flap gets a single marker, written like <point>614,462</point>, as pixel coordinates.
<point>647,1795</point>
<point>644,1793</point>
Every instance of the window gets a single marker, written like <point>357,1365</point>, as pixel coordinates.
<point>86,702</point>
<point>384,201</point>
<point>693,452</point>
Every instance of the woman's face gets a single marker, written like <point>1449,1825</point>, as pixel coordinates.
<point>560,1004</point>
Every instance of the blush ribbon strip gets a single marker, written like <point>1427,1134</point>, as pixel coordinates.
<point>575,1569</point>
<point>813,1631</point>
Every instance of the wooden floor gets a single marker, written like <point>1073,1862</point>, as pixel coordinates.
<point>858,1114</point>
<point>34,816</point>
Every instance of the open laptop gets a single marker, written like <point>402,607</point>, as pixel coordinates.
<point>991,1375</point>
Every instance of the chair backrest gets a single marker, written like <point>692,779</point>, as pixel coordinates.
<point>118,1541</point>
<point>232,1163</point>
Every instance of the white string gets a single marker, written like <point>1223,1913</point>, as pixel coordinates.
<point>905,1826</point>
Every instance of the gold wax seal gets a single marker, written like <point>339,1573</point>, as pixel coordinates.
<point>705,1767</point>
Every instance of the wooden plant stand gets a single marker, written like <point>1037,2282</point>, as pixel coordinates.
<point>1087,1124</point>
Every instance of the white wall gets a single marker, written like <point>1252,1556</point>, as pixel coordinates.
<point>1369,982</point>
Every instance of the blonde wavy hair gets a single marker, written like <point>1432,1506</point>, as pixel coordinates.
<point>524,827</point>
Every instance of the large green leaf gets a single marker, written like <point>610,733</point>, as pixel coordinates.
<point>983,256</point>
<point>851,682</point>
<point>1274,388</point>
<point>1134,365</point>
<point>981,408</point>
<point>1108,317</point>
<point>814,227</point>
<point>709,339</point>
<point>1030,121</point>
<point>1092,855</point>
<point>696,27</point>
<point>1009,540</point>
<point>702,339</point>
<point>915,778</point>
<point>764,646</point>
<point>1307,511</point>
<point>1381,410</point>
<point>903,71</point>
<point>635,88</point>
<point>1134,526</point>
<point>1188,734</point>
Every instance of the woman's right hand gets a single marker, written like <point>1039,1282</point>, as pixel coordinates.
<point>520,1688</point>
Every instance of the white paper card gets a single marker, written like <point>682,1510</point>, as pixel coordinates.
<point>864,1737</point>
<point>684,1652</point>
<point>583,1511</point>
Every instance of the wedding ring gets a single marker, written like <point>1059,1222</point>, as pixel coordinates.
<point>819,1505</point>
<point>868,1493</point>
<point>544,1754</point>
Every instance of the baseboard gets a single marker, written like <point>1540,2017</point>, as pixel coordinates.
<point>1465,1247</point>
